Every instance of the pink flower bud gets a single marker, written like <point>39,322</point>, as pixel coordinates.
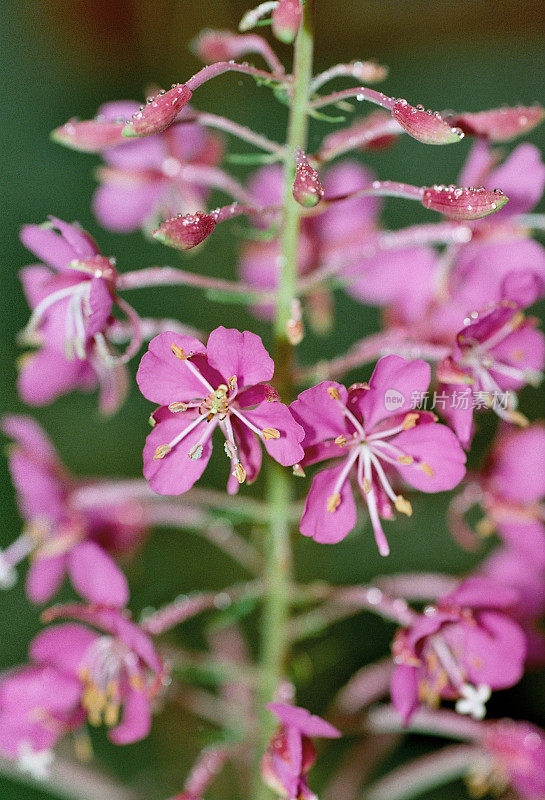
<point>500,124</point>
<point>307,187</point>
<point>426,126</point>
<point>186,230</point>
<point>286,19</point>
<point>89,136</point>
<point>212,46</point>
<point>159,112</point>
<point>458,203</point>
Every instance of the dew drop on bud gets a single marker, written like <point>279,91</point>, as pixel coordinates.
<point>463,203</point>
<point>186,230</point>
<point>159,113</point>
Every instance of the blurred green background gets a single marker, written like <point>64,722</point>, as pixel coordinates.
<point>62,58</point>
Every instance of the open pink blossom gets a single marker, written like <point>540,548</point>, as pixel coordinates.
<point>62,536</point>
<point>38,705</point>
<point>459,649</point>
<point>497,353</point>
<point>71,296</point>
<point>116,666</point>
<point>517,750</point>
<point>143,180</point>
<point>291,754</point>
<point>372,430</point>
<point>222,384</point>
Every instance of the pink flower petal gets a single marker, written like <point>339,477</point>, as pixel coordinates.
<point>44,577</point>
<point>136,721</point>
<point>319,414</point>
<point>96,577</point>
<point>308,724</point>
<point>176,472</point>
<point>286,449</point>
<point>391,387</point>
<point>125,207</point>
<point>63,646</point>
<point>46,375</point>
<point>163,377</point>
<point>404,691</point>
<point>231,352</point>
<point>322,525</point>
<point>439,450</point>
<point>517,454</point>
<point>521,177</point>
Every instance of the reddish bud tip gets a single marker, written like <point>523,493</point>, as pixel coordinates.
<point>458,203</point>
<point>89,136</point>
<point>428,127</point>
<point>159,112</point>
<point>307,187</point>
<point>286,19</point>
<point>186,230</point>
<point>211,46</point>
<point>500,124</point>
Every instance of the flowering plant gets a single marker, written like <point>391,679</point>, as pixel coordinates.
<point>456,343</point>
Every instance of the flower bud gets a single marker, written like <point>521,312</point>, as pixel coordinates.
<point>459,203</point>
<point>286,19</point>
<point>159,112</point>
<point>307,187</point>
<point>90,135</point>
<point>500,124</point>
<point>211,46</point>
<point>426,126</point>
<point>186,230</point>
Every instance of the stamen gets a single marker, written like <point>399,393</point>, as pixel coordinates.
<point>426,468</point>
<point>162,451</point>
<point>176,407</point>
<point>403,506</point>
<point>271,433</point>
<point>341,440</point>
<point>239,472</point>
<point>410,421</point>
<point>333,393</point>
<point>333,502</point>
<point>405,460</point>
<point>179,353</point>
<point>233,383</point>
<point>380,536</point>
<point>298,471</point>
<point>195,452</point>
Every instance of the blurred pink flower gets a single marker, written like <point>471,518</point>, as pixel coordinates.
<point>518,757</point>
<point>291,754</point>
<point>61,536</point>
<point>460,649</point>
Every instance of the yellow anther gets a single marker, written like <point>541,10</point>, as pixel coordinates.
<point>136,682</point>
<point>333,392</point>
<point>152,421</point>
<point>516,320</point>
<point>111,714</point>
<point>410,421</point>
<point>519,419</point>
<point>485,527</point>
<point>233,383</point>
<point>426,468</point>
<point>366,486</point>
<point>405,460</point>
<point>178,352</point>
<point>162,451</point>
<point>340,440</point>
<point>333,502</point>
<point>270,433</point>
<point>176,407</point>
<point>239,472</point>
<point>298,471</point>
<point>403,506</point>
<point>195,452</point>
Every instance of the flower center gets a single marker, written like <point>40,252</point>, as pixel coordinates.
<point>101,675</point>
<point>216,403</point>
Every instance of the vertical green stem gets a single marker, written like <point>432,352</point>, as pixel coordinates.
<point>278,577</point>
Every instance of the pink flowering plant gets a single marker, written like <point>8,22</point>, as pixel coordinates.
<point>345,445</point>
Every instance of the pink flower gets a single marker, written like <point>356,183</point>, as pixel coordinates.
<point>143,180</point>
<point>370,429</point>
<point>496,354</point>
<point>340,229</point>
<point>291,754</point>
<point>201,388</point>
<point>118,670</point>
<point>38,705</point>
<point>459,649</point>
<point>510,498</point>
<point>517,750</point>
<point>62,536</point>
<point>71,297</point>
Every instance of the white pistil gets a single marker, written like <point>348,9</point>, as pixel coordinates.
<point>36,763</point>
<point>382,477</point>
<point>346,469</point>
<point>42,307</point>
<point>371,501</point>
<point>473,700</point>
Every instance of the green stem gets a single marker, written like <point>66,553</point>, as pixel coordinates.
<point>278,571</point>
